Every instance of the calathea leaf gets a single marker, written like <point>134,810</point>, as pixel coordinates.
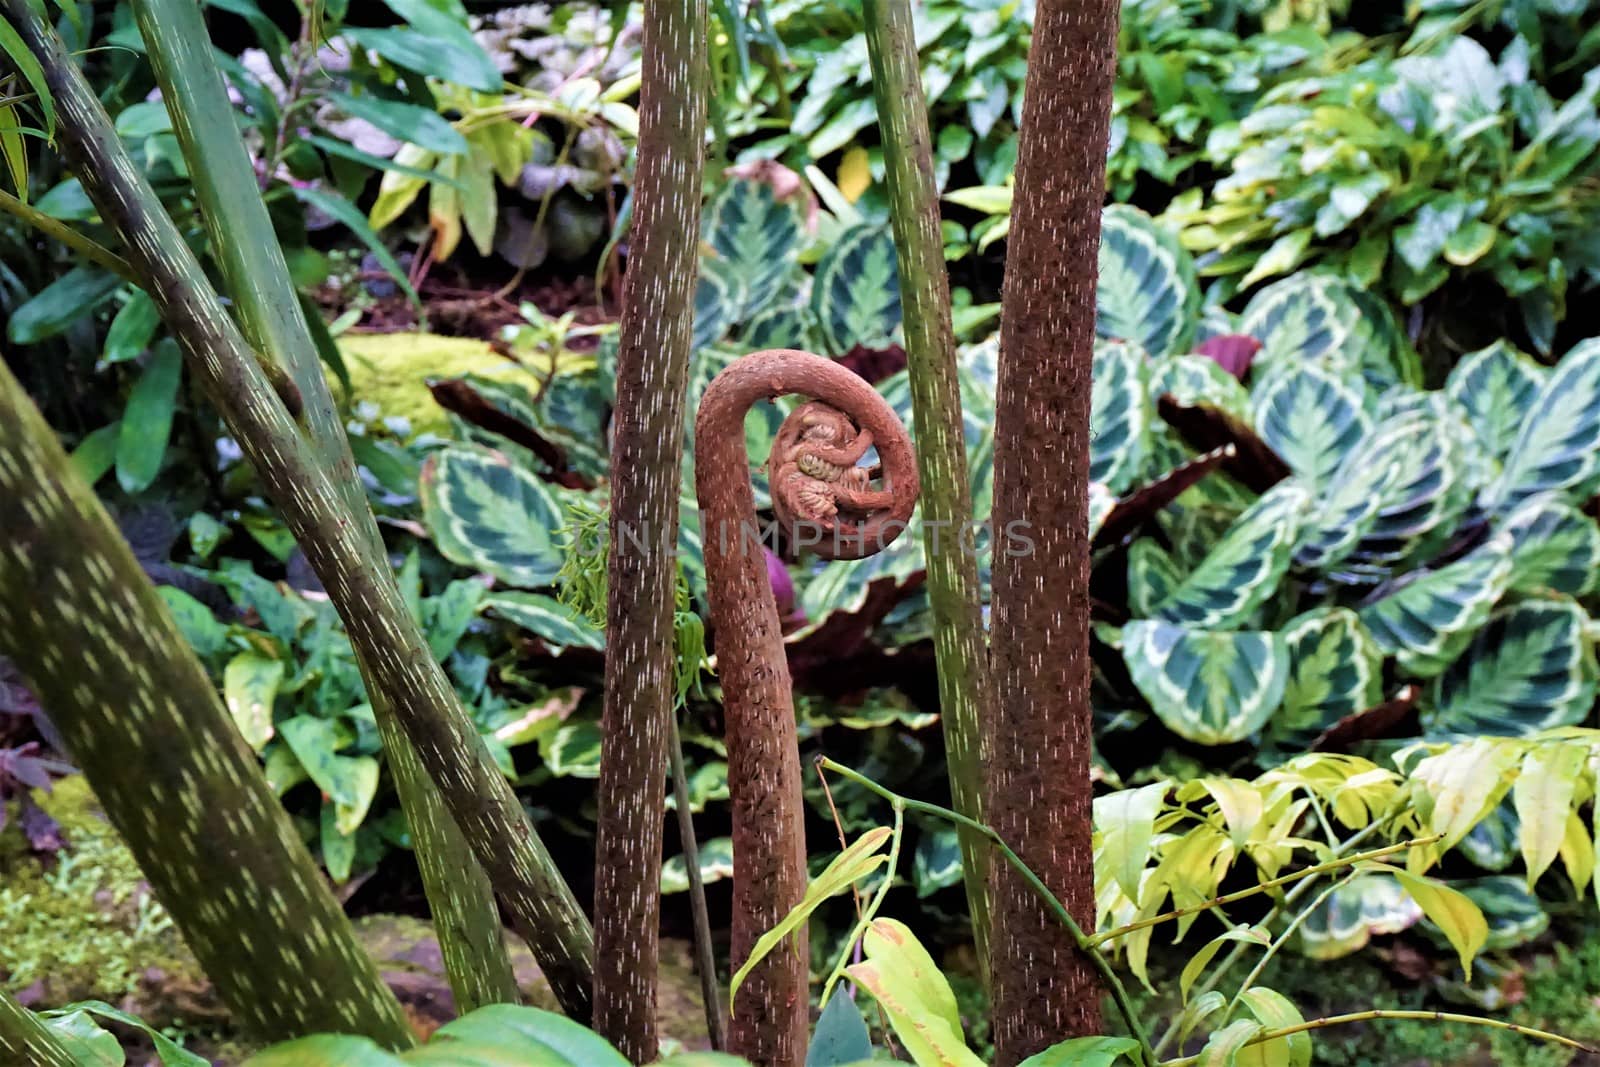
<point>1147,292</point>
<point>1119,422</point>
<point>1152,576</point>
<point>1336,670</point>
<point>1366,905</point>
<point>1301,319</point>
<point>1530,668</point>
<point>1558,446</point>
<point>755,235</point>
<point>1311,418</point>
<point>486,513</point>
<point>1496,387</point>
<point>1211,688</point>
<point>1244,569</point>
<point>1556,547</point>
<point>855,294</point>
<point>1195,380</point>
<point>1428,620</point>
<point>1513,914</point>
<point>718,298</point>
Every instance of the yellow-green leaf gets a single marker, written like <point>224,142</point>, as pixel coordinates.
<point>1452,912</point>
<point>1126,820</point>
<point>1198,962</point>
<point>249,686</point>
<point>905,981</point>
<point>1222,1050</point>
<point>1275,1012</point>
<point>848,868</point>
<point>1543,797</point>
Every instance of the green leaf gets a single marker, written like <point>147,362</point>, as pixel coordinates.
<point>1120,414</point>
<point>97,452</point>
<point>338,847</point>
<point>1556,547</point>
<point>1275,1012</point>
<point>486,513</point>
<point>14,150</point>
<point>26,64</point>
<point>1451,911</point>
<point>756,236</point>
<point>1126,821</point>
<point>89,1044</point>
<point>1310,418</point>
<point>250,686</point>
<point>348,782</point>
<point>1223,1047</point>
<point>1546,784</point>
<point>1427,621</point>
<point>325,1050</point>
<point>1336,670</point>
<point>406,122</point>
<point>199,627</point>
<point>1530,668</point>
<point>546,618</point>
<point>1496,387</point>
<point>132,328</point>
<point>1147,293</point>
<point>1558,447</point>
<point>1202,958</point>
<point>572,750</point>
<point>168,1051</point>
<point>1212,688</point>
<point>849,867</point>
<point>1152,574</point>
<point>906,983</point>
<point>75,295</point>
<point>855,294</point>
<point>343,212</point>
<point>539,1037</point>
<point>446,51</point>
<point>841,1037</point>
<point>1084,1052</point>
<point>147,419</point>
<point>1244,568</point>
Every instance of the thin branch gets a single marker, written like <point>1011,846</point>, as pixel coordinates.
<point>79,243</point>
<point>1386,1013</point>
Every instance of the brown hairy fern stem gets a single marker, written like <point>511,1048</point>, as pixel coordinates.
<point>816,451</point>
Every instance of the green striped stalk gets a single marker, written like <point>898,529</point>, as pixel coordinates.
<point>646,465</point>
<point>966,696</point>
<point>269,313</point>
<point>25,1040</point>
<point>481,801</point>
<point>140,717</point>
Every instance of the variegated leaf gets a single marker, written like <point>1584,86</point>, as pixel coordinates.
<point>1343,923</point>
<point>1492,843</point>
<point>547,618</point>
<point>1496,388</point>
<point>1147,291</point>
<point>486,513</point>
<point>1336,669</point>
<point>1119,423</point>
<point>1530,668</point>
<point>1199,380</point>
<point>756,235</point>
<point>1558,446</point>
<point>1152,576</point>
<point>1428,620</point>
<point>1311,418</point>
<point>1211,688</point>
<point>780,327</point>
<point>718,298</point>
<point>1556,547</point>
<point>855,295</point>
<point>1244,568</point>
<point>1302,319</point>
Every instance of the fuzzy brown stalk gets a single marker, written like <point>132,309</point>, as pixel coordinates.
<point>771,1012</point>
<point>1040,795</point>
<point>646,466</point>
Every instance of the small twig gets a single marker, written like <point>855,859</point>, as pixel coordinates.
<point>864,919</point>
<point>1385,1013</point>
<point>79,243</point>
<point>1283,938</point>
<point>1119,993</point>
<point>705,958</point>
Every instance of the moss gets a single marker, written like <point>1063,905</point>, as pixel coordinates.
<point>390,371</point>
<point>83,924</point>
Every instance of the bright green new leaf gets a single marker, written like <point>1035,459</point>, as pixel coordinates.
<point>1275,1012</point>
<point>849,867</point>
<point>1203,956</point>
<point>1084,1052</point>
